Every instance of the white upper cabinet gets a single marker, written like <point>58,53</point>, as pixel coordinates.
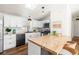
<point>20,22</point>
<point>13,21</point>
<point>36,23</point>
<point>7,20</point>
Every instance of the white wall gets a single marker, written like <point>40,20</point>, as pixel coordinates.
<point>68,22</point>
<point>62,13</point>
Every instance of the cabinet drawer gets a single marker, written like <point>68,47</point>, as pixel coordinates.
<point>13,36</point>
<point>9,41</point>
<point>7,37</point>
<point>8,45</point>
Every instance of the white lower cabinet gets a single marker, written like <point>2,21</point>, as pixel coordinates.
<point>9,41</point>
<point>33,49</point>
<point>32,35</point>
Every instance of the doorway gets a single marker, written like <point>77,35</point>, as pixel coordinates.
<point>75,27</point>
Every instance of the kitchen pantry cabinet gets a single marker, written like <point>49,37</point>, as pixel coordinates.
<point>32,35</point>
<point>9,41</point>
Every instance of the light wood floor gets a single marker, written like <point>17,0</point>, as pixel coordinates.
<point>76,39</point>
<point>21,50</point>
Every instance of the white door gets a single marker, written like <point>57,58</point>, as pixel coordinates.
<point>76,28</point>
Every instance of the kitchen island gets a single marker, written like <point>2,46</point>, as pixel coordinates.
<point>51,44</point>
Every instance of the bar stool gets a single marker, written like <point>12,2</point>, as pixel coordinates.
<point>69,49</point>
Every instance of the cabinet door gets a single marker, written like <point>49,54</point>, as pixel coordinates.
<point>9,42</point>
<point>27,36</point>
<point>10,20</point>
<point>13,41</point>
<point>31,36</point>
<point>7,20</point>
<point>13,21</point>
<point>13,38</point>
<point>6,43</point>
<point>26,40</point>
<point>33,49</point>
<point>20,22</point>
<point>35,35</point>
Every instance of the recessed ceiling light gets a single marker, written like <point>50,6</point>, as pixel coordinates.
<point>29,19</point>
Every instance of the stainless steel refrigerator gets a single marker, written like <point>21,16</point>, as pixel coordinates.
<point>1,33</point>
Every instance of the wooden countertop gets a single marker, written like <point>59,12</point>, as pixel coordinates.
<point>51,43</point>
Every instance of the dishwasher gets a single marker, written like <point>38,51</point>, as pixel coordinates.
<point>20,39</point>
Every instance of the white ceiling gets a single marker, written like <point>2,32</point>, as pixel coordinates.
<point>74,10</point>
<point>21,10</point>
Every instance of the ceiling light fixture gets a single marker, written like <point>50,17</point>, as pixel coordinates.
<point>29,19</point>
<point>43,7</point>
<point>43,10</point>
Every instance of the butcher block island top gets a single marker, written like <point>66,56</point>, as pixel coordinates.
<point>51,43</point>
